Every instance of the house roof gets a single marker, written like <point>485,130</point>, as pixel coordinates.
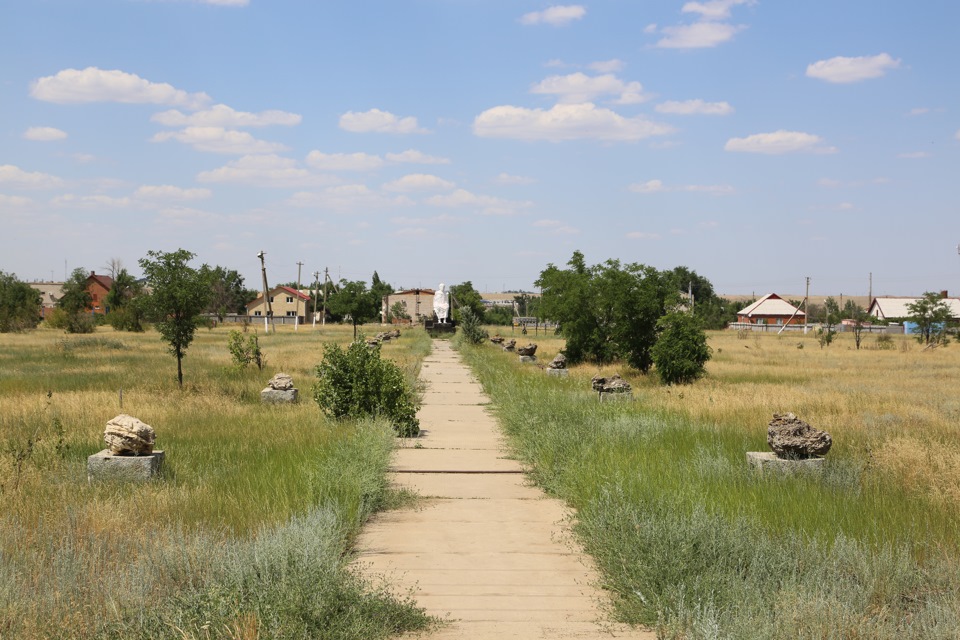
<point>273,292</point>
<point>410,292</point>
<point>104,281</point>
<point>771,305</point>
<point>888,307</point>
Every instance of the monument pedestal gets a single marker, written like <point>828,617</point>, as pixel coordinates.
<point>769,462</point>
<point>278,396</point>
<point>107,466</point>
<point>616,396</point>
<point>560,373</point>
<point>528,358</point>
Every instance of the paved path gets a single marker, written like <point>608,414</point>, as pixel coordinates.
<point>485,550</point>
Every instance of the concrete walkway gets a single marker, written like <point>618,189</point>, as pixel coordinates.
<point>484,550</point>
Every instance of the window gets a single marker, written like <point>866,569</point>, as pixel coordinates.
<point>258,313</point>
<point>271,298</point>
<point>289,300</point>
<point>291,314</point>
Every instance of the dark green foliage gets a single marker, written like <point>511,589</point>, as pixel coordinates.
<point>469,328</point>
<point>379,288</point>
<point>75,302</point>
<point>19,304</point>
<point>358,383</point>
<point>355,301</point>
<point>243,352</point>
<point>463,296</point>
<point>607,311</point>
<point>502,316</point>
<point>681,350</point>
<point>179,293</point>
<point>124,311</point>
<point>930,313</point>
<point>227,293</point>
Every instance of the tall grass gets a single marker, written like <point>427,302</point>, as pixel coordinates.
<point>690,540</point>
<point>245,535</point>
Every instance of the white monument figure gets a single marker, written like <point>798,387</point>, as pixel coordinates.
<point>441,304</point>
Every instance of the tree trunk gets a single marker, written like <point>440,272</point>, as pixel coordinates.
<point>180,369</point>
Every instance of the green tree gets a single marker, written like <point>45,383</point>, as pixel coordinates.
<point>76,302</point>
<point>681,350</point>
<point>356,301</point>
<point>930,313</point>
<point>469,329</point>
<point>463,295</point>
<point>19,304</point>
<point>859,316</point>
<point>178,295</point>
<point>379,288</point>
<point>502,316</point>
<point>227,291</point>
<point>124,312</point>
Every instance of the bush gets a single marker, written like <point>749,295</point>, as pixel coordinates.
<point>81,323</point>
<point>126,318</point>
<point>681,350</point>
<point>356,383</point>
<point>245,352</point>
<point>470,329</point>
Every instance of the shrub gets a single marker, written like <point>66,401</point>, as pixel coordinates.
<point>246,351</point>
<point>884,342</point>
<point>126,318</point>
<point>81,323</point>
<point>470,329</point>
<point>681,350</point>
<point>357,382</point>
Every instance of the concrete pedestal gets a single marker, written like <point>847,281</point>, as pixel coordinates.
<point>107,466</point>
<point>768,462</point>
<point>511,349</point>
<point>562,373</point>
<point>276,396</point>
<point>528,358</point>
<point>617,396</point>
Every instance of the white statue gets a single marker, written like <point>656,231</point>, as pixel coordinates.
<point>441,304</point>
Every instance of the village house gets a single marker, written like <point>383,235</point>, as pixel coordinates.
<point>284,302</point>
<point>771,309</point>
<point>417,304</point>
<point>897,307</point>
<point>50,294</point>
<point>98,287</point>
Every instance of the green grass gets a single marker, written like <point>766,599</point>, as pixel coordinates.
<point>246,534</point>
<point>691,541</point>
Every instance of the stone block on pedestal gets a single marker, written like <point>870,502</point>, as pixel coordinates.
<point>616,396</point>
<point>528,358</point>
<point>562,373</point>
<point>278,396</point>
<point>108,466</point>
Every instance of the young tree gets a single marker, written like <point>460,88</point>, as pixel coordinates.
<point>354,300</point>
<point>930,313</point>
<point>681,350</point>
<point>179,293</point>
<point>859,315</point>
<point>76,302</point>
<point>19,304</point>
<point>124,312</point>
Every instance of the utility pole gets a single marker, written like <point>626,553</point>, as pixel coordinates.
<point>316,294</point>
<point>326,278</point>
<point>870,290</point>
<point>806,310</point>
<point>296,318</point>
<point>268,309</point>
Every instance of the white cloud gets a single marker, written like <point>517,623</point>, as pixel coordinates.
<point>564,122</point>
<point>18,178</point>
<point>556,227</point>
<point>713,9</point>
<point>419,182</point>
<point>657,186</point>
<point>506,178</point>
<point>698,35</point>
<point>643,235</point>
<point>650,28</point>
<point>579,87</point>
<point>377,121</point>
<point>412,156</point>
<point>443,218</point>
<point>44,134</point>
<point>344,161</point>
<point>913,155</point>
<point>487,205</point>
<point>843,70</point>
<point>918,111</point>
<point>220,115</point>
<point>779,142</point>
<point>607,66</point>
<point>219,140</point>
<point>72,86</point>
<point>14,201</point>
<point>265,171</point>
<point>695,107</point>
<point>556,16</point>
<point>169,192</point>
<point>957,134</point>
<point>84,158</point>
<point>90,202</point>
<point>348,198</point>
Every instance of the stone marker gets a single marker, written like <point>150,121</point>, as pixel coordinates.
<point>497,339</point>
<point>612,388</point>
<point>558,366</point>
<point>797,447</point>
<point>509,345</point>
<point>129,454</point>
<point>279,390</point>
<point>529,350</point>
<point>769,461</point>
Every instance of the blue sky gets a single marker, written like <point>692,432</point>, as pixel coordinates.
<point>756,142</point>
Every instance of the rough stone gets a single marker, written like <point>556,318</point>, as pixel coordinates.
<point>497,339</point>
<point>529,350</point>
<point>107,466</point>
<point>611,384</point>
<point>790,437</point>
<point>279,396</point>
<point>560,362</point>
<point>126,435</point>
<point>281,382</point>
<point>509,345</point>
